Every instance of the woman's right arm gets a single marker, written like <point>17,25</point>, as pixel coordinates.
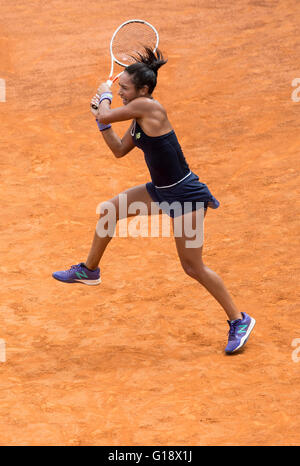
<point>118,146</point>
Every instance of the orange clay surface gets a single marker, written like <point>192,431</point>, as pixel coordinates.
<point>139,360</point>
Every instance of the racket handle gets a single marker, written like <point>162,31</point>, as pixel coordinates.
<point>95,106</point>
<point>109,83</point>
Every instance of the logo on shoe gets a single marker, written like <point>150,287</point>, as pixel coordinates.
<point>242,329</point>
<point>81,274</point>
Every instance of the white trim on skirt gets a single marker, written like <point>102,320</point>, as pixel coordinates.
<point>170,185</point>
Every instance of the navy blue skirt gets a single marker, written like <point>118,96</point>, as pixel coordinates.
<point>186,196</point>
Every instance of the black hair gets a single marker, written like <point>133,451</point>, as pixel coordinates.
<point>144,71</point>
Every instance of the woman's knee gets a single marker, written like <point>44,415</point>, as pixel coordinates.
<point>129,203</point>
<point>108,209</point>
<point>195,270</point>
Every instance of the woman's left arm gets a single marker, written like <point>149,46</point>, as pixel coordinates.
<point>134,109</point>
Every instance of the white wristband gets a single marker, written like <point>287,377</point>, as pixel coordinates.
<point>106,95</point>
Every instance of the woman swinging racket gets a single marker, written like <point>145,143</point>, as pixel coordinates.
<point>172,180</point>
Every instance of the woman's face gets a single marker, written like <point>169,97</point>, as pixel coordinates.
<point>127,90</point>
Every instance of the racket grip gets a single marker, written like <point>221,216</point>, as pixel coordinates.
<point>96,106</point>
<point>105,95</point>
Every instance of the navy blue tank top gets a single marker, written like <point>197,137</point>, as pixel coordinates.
<point>163,156</point>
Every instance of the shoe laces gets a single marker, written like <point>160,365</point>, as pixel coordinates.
<point>77,266</point>
<point>233,328</point>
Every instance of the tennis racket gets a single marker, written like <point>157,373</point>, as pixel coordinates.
<point>127,41</point>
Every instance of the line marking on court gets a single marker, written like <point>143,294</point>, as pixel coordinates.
<point>2,350</point>
<point>2,90</point>
<point>295,93</point>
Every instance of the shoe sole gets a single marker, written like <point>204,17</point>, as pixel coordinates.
<point>244,339</point>
<point>84,282</point>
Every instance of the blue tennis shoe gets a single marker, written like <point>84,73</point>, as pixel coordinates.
<point>239,332</point>
<point>79,274</point>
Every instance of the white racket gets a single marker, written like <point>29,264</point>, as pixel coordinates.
<point>127,41</point>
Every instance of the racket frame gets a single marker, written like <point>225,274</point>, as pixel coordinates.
<point>111,80</point>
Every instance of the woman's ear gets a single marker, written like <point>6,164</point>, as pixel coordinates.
<point>144,91</point>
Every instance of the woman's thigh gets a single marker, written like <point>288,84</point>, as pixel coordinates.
<point>132,201</point>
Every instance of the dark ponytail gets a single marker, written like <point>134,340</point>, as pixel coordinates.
<point>144,71</point>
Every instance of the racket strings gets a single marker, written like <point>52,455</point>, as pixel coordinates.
<point>131,40</point>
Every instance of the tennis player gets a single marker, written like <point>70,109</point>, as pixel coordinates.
<point>172,180</point>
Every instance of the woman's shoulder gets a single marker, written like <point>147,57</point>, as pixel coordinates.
<point>152,108</point>
<point>151,102</point>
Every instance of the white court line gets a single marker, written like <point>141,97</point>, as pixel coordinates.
<point>295,93</point>
<point>2,90</point>
<point>2,350</point>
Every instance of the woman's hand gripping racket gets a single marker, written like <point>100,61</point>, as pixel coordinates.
<point>127,41</point>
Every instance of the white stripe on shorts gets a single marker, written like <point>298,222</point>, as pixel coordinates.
<point>170,185</point>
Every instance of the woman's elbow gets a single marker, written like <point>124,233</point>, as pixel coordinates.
<point>118,154</point>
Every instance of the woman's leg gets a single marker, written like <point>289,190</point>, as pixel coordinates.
<point>192,263</point>
<point>101,240</point>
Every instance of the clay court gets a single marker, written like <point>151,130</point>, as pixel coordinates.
<point>139,360</point>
